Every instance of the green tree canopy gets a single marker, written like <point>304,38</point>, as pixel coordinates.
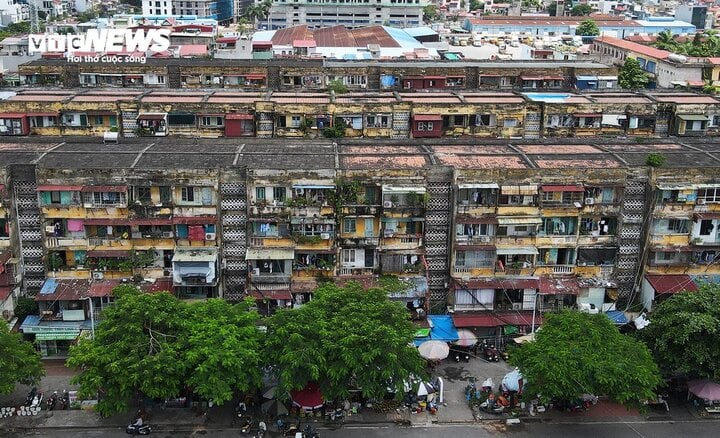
<point>431,13</point>
<point>19,361</point>
<point>344,338</point>
<point>577,353</point>
<point>581,10</point>
<point>552,9</point>
<point>683,333</point>
<point>155,344</point>
<point>587,28</point>
<point>631,75</point>
<point>476,4</point>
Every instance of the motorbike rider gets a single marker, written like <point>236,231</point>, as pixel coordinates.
<point>139,420</point>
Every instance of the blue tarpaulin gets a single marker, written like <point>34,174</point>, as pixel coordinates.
<point>617,316</point>
<point>443,329</point>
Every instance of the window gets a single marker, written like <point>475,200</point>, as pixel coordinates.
<point>282,122</point>
<point>510,123</point>
<point>295,121</point>
<point>165,194</point>
<point>348,256</point>
<point>279,194</point>
<point>678,226</point>
<point>378,121</point>
<point>709,195</point>
<point>99,120</point>
<point>212,121</point>
<point>485,120</point>
<point>706,227</point>
<point>181,119</point>
<point>260,193</point>
<point>142,194</point>
<point>55,198</point>
<point>349,225</point>
<point>425,126</point>
<point>187,194</point>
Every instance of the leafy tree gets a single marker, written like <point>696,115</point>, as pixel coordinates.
<point>25,306</point>
<point>665,40</point>
<point>337,86</point>
<point>476,4</point>
<point>587,28</point>
<point>577,353</point>
<point>552,9</point>
<point>19,361</point>
<point>155,345</point>
<point>222,349</point>
<point>431,13</point>
<point>631,75</point>
<point>683,333</point>
<point>344,338</point>
<point>581,10</point>
<point>655,160</point>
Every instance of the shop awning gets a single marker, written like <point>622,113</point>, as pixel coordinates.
<point>527,190</point>
<point>442,328</point>
<point>427,117</point>
<point>523,250</point>
<point>102,288</point>
<point>254,76</point>
<point>707,215</point>
<point>151,221</point>
<point>270,254</point>
<point>479,186</point>
<point>88,189</point>
<point>588,115</point>
<point>12,115</point>
<point>235,116</point>
<point>101,113</point>
<point>194,220</point>
<point>42,114</point>
<point>496,319</point>
<point>670,284</point>
<point>558,286</point>
<point>50,188</point>
<point>693,117</point>
<point>108,253</point>
<point>551,188</point>
<point>525,220</point>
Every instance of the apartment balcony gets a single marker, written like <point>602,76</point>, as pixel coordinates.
<point>64,211</point>
<point>515,240</point>
<point>5,242</point>
<point>158,242</point>
<point>114,211</point>
<point>670,240</point>
<point>555,270</point>
<point>258,277</point>
<point>597,209</point>
<point>401,242</point>
<point>518,210</point>
<point>312,211</point>
<point>589,240</point>
<point>272,241</point>
<point>476,209</point>
<point>270,210</point>
<point>464,240</point>
<point>677,210</point>
<point>66,243</point>
<point>69,273</point>
<point>555,241</point>
<point>110,243</point>
<point>346,271</point>
<point>465,272</point>
<point>512,271</point>
<point>313,273</point>
<point>360,210</point>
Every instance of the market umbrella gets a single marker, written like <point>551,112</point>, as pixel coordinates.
<point>425,388</point>
<point>308,398</point>
<point>434,350</point>
<point>466,338</point>
<point>525,338</point>
<point>269,391</point>
<point>512,380</point>
<point>705,389</point>
<point>274,408</point>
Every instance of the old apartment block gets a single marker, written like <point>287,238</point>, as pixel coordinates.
<point>384,115</point>
<point>487,230</point>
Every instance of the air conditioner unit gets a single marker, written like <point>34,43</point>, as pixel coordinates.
<point>256,271</point>
<point>589,201</point>
<point>209,236</point>
<point>485,239</point>
<point>98,275</point>
<point>701,201</point>
<point>167,234</point>
<point>325,236</point>
<point>387,204</point>
<point>50,229</point>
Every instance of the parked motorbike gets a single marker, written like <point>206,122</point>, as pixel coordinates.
<point>504,354</point>
<point>262,428</point>
<point>64,400</point>
<point>291,429</point>
<point>36,402</point>
<point>310,432</point>
<point>245,424</point>
<point>490,352</point>
<point>30,396</point>
<point>144,429</point>
<point>51,401</point>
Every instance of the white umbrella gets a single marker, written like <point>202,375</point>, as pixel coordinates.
<point>526,338</point>
<point>511,381</point>
<point>466,338</point>
<point>424,389</point>
<point>434,350</point>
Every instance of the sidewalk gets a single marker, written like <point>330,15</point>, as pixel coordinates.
<point>454,410</point>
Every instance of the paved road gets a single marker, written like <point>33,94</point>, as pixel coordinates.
<point>696,429</point>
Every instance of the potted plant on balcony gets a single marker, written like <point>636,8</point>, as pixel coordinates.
<point>55,262</point>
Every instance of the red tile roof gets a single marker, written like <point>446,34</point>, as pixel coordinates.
<point>671,284</point>
<point>634,47</point>
<point>559,286</point>
<point>495,319</point>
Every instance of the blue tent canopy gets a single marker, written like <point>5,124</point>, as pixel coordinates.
<point>443,329</point>
<point>617,316</point>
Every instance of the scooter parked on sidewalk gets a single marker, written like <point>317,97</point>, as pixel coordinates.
<point>490,352</point>
<point>64,400</point>
<point>309,432</point>
<point>51,401</point>
<point>30,396</point>
<point>134,429</point>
